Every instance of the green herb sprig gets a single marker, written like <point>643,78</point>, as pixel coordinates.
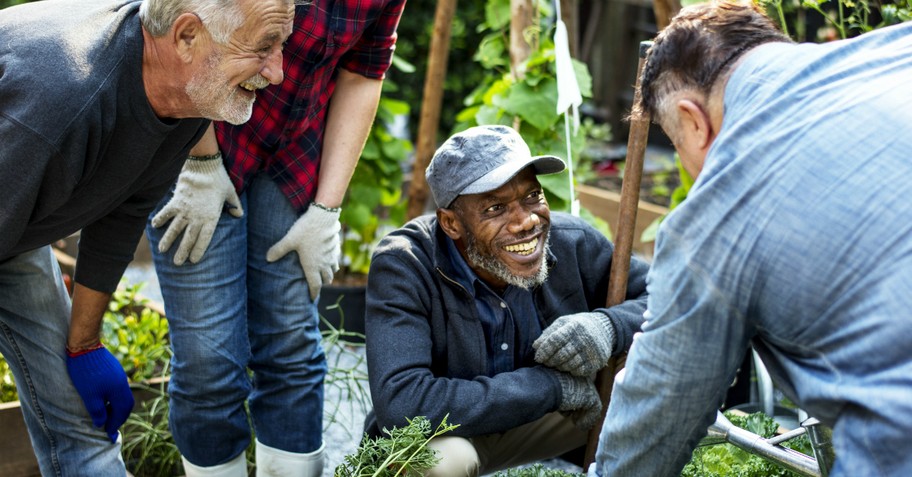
<point>404,453</point>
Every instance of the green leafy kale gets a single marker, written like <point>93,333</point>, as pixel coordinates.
<point>535,470</point>
<point>726,460</point>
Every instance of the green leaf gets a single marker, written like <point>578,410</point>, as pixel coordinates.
<point>649,233</point>
<point>491,52</point>
<point>583,78</point>
<point>498,88</point>
<point>490,115</point>
<point>497,14</point>
<point>371,149</point>
<point>558,185</point>
<point>356,216</point>
<point>468,114</point>
<point>397,150</point>
<point>402,65</point>
<point>537,106</point>
<point>394,106</point>
<point>366,195</point>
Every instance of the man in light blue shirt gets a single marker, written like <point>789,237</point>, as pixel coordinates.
<point>796,238</point>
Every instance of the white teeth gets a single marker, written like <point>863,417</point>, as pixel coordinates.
<point>248,86</point>
<point>523,248</point>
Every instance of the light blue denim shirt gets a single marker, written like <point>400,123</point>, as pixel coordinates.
<point>797,237</point>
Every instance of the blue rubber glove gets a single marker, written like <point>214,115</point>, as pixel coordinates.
<point>102,384</point>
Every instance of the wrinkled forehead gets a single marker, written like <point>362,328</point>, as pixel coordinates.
<point>266,20</point>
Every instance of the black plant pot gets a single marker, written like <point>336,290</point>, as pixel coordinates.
<point>343,307</point>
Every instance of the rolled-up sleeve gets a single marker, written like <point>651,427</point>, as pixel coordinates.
<point>373,54</point>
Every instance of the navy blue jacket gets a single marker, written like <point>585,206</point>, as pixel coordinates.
<point>425,344</point>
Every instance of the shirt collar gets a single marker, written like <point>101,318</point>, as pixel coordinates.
<point>462,272</point>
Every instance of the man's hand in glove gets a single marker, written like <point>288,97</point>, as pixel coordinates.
<point>315,237</point>
<point>102,385</point>
<point>203,188</point>
<point>579,399</point>
<point>579,344</point>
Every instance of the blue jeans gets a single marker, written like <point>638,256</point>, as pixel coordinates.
<point>34,322</point>
<point>232,311</point>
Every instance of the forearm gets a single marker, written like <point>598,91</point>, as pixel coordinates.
<point>86,315</point>
<point>515,398</point>
<point>348,122</point>
<point>407,380</point>
<point>207,144</point>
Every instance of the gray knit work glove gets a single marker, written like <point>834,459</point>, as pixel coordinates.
<point>579,399</point>
<point>315,237</point>
<point>579,344</point>
<point>202,190</point>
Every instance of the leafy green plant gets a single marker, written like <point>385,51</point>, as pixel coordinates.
<point>7,386</point>
<point>10,3</point>
<point>535,470</point>
<point>136,335</point>
<point>403,453</point>
<point>725,460</point>
<point>843,18</point>
<point>148,447</point>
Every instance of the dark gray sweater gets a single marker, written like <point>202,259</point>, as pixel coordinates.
<point>426,350</point>
<point>80,147</point>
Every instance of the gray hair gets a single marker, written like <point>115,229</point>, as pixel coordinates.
<point>221,17</point>
<point>698,48</point>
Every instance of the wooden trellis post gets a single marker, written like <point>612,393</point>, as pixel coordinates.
<point>429,121</point>
<point>623,246</point>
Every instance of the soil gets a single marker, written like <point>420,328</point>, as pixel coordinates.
<point>659,179</point>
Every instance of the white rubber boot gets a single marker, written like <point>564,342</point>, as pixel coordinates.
<point>236,467</point>
<point>272,462</point>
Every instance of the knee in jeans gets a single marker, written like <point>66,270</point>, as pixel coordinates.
<point>458,458</point>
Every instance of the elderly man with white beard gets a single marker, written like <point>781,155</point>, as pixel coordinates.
<point>492,311</point>
<point>241,283</point>
<point>100,102</point>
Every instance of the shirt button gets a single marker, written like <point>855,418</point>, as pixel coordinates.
<point>503,305</point>
<point>504,346</point>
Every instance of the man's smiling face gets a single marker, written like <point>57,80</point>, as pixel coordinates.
<point>223,88</point>
<point>503,234</point>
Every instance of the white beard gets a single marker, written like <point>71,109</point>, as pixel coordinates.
<point>214,98</point>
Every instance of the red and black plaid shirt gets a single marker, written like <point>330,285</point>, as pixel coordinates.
<point>284,136</point>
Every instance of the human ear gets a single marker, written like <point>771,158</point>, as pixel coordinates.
<point>186,34</point>
<point>450,224</point>
<point>695,125</point>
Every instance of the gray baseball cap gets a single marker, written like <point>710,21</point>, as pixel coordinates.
<point>481,159</point>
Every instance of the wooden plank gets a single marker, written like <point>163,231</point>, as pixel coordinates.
<point>16,456</point>
<point>605,205</point>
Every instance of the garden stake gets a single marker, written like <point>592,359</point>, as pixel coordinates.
<point>432,99</point>
<point>623,244</point>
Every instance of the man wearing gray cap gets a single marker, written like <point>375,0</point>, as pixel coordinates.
<point>490,311</point>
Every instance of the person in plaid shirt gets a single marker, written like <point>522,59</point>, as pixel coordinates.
<point>245,300</point>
